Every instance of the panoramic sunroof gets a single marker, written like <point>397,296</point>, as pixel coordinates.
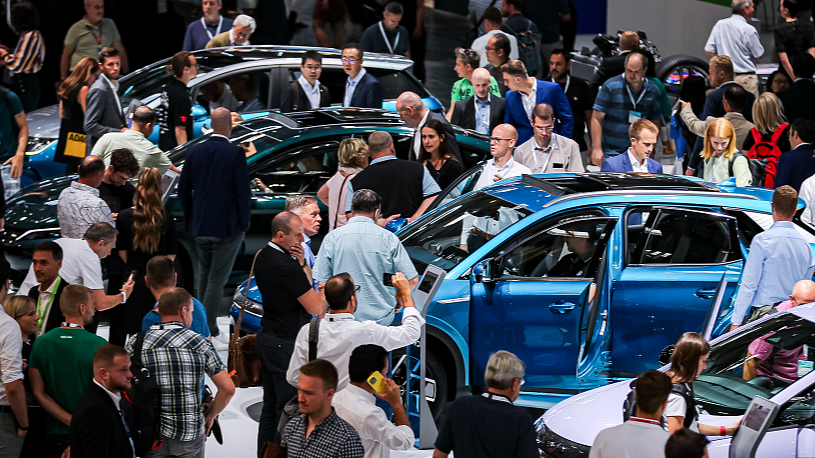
<point>594,182</point>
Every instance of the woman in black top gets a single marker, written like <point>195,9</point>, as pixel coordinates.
<point>793,37</point>
<point>72,94</point>
<point>145,230</point>
<point>435,154</point>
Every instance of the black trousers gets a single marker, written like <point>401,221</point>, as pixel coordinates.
<point>274,354</point>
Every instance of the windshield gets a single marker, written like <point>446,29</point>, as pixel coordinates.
<point>147,85</point>
<point>761,361</point>
<point>253,141</point>
<point>442,239</point>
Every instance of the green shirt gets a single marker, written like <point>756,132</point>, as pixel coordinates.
<point>81,37</point>
<point>64,358</point>
<point>462,89</point>
<point>145,151</point>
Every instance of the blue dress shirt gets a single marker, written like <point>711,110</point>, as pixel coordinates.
<point>779,257</point>
<point>482,115</point>
<point>308,255</point>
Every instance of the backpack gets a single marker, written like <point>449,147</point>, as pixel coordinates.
<point>768,151</point>
<point>528,48</point>
<point>759,312</point>
<point>758,168</point>
<point>630,403</point>
<point>292,408</point>
<point>141,403</point>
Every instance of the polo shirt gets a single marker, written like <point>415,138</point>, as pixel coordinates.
<point>200,32</point>
<point>175,110</point>
<point>281,281</point>
<point>145,151</point>
<point>374,41</point>
<point>736,38</point>
<point>632,439</point>
<point>8,141</point>
<point>82,36</point>
<point>64,358</point>
<point>615,101</point>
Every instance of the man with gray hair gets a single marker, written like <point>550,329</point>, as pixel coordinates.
<point>413,112</point>
<point>306,207</point>
<point>211,24</point>
<point>490,425</point>
<point>242,28</point>
<point>405,187</point>
<point>366,251</point>
<point>735,37</point>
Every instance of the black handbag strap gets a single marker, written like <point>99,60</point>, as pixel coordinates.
<point>313,338</point>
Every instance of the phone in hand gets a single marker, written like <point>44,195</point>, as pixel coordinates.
<point>377,382</point>
<point>131,277</point>
<point>387,279</point>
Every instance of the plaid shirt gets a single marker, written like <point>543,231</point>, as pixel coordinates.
<point>333,438</point>
<point>179,358</point>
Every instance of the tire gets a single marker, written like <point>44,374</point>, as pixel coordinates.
<point>435,372</point>
<point>683,66</point>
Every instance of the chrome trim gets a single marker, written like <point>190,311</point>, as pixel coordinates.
<point>454,300</point>
<point>646,192</point>
<point>36,230</point>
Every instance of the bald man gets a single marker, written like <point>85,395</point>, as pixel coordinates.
<point>615,65</point>
<point>413,112</point>
<point>79,206</point>
<point>218,213</point>
<point>483,111</point>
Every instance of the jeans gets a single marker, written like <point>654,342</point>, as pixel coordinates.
<point>274,354</point>
<point>10,443</point>
<point>216,256</point>
<point>180,449</point>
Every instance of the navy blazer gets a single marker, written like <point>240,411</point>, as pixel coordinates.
<point>621,163</point>
<point>368,93</point>
<point>548,92</point>
<point>795,166</point>
<point>97,429</point>
<point>216,171</point>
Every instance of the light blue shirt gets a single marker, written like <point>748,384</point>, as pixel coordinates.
<point>309,257</point>
<point>366,251</point>
<point>482,115</point>
<point>199,319</point>
<point>779,257</point>
<point>351,86</point>
<point>429,185</point>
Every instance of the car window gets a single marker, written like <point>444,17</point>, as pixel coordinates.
<point>680,236</point>
<point>563,251</point>
<point>463,186</point>
<point>304,171</point>
<point>750,223</point>
<point>471,156</point>
<point>248,91</point>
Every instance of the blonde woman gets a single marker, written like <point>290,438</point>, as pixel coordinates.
<point>353,157</point>
<point>771,128</point>
<point>720,150</point>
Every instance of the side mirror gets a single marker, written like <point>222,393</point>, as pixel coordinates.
<point>198,112</point>
<point>483,271</point>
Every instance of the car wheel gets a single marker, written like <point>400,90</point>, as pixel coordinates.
<point>436,379</point>
<point>673,70</point>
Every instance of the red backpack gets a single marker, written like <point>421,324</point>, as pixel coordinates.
<point>767,152</point>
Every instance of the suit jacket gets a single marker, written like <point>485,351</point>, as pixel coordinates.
<point>449,133</point>
<point>621,163</point>
<point>548,92</point>
<point>368,93</point>
<point>714,106</point>
<point>699,127</point>
<point>102,113</point>
<point>564,149</point>
<point>287,99</point>
<point>795,166</point>
<point>216,170</point>
<point>464,113</point>
<point>97,428</point>
<point>798,100</point>
<point>55,316</point>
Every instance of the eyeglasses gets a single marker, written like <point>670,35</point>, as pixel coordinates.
<point>356,288</point>
<point>314,68</point>
<point>496,139</point>
<point>487,48</point>
<point>349,61</point>
<point>548,129</point>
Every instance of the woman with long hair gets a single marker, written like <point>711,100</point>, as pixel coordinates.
<point>688,360</point>
<point>72,94</point>
<point>353,157</point>
<point>720,157</point>
<point>27,59</point>
<point>771,127</point>
<point>435,154</point>
<point>145,230</point>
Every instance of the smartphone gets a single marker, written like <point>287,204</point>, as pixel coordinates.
<point>377,382</point>
<point>131,277</point>
<point>387,279</point>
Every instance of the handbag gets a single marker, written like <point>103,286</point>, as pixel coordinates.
<point>243,357</point>
<point>292,408</point>
<point>71,147</point>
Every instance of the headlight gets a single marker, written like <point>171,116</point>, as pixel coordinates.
<point>252,307</point>
<point>37,145</point>
<point>554,446</point>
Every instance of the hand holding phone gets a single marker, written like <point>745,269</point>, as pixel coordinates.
<point>387,279</point>
<point>377,382</point>
<point>131,277</point>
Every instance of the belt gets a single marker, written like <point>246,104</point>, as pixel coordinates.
<point>745,73</point>
<point>481,233</point>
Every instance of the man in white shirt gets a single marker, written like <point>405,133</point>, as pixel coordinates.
<point>546,151</point>
<point>735,37</point>
<point>13,408</point>
<point>476,231</point>
<point>306,93</point>
<point>340,333</point>
<point>356,404</point>
<point>493,19</point>
<point>642,435</point>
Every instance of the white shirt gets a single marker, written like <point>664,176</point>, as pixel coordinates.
<point>417,138</point>
<point>11,353</point>
<point>631,439</point>
<point>340,334</point>
<point>510,169</point>
<point>677,408</point>
<point>480,45</point>
<point>635,163</point>
<point>115,397</point>
<point>529,100</point>
<point>807,194</point>
<point>114,86</point>
<point>378,435</point>
<point>736,38</point>
<point>351,86</point>
<point>45,298</point>
<point>312,92</point>
<point>80,266</point>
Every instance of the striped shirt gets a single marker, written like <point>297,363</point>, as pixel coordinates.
<point>29,54</point>
<point>615,100</point>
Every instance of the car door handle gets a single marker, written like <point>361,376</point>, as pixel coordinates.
<point>705,293</point>
<point>561,307</point>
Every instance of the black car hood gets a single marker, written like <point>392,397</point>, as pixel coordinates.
<point>35,206</point>
<point>44,123</point>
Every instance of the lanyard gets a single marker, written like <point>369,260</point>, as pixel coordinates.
<point>217,31</point>
<point>127,429</point>
<point>385,37</point>
<point>41,313</point>
<point>497,397</point>
<point>91,29</point>
<point>71,325</point>
<point>631,96</point>
<point>551,147</point>
<point>644,420</point>
<point>568,82</point>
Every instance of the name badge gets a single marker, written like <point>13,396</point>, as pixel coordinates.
<point>804,367</point>
<point>634,116</point>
